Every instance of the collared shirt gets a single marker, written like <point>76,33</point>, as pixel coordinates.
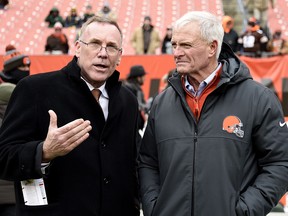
<point>104,98</point>
<point>203,84</point>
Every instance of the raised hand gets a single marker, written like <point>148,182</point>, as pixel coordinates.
<point>60,141</point>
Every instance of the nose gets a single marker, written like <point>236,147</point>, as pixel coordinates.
<point>102,52</point>
<point>177,51</point>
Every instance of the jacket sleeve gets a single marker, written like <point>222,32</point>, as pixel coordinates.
<point>148,169</point>
<point>18,145</point>
<point>270,141</point>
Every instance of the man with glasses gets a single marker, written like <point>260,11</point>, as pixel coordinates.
<point>216,142</point>
<point>69,151</point>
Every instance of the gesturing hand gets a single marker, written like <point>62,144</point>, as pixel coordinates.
<point>60,141</point>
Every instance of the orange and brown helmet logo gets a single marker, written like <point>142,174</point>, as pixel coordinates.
<point>232,124</point>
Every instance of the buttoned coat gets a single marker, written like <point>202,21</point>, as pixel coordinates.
<point>96,178</point>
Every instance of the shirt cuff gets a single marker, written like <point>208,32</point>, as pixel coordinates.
<point>41,168</point>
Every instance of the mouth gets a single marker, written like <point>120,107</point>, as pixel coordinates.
<point>180,62</point>
<point>100,66</point>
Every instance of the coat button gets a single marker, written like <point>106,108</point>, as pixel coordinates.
<point>103,145</point>
<point>106,180</point>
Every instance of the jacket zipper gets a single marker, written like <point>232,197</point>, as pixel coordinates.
<point>193,171</point>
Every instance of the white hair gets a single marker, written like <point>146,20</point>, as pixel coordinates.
<point>210,26</point>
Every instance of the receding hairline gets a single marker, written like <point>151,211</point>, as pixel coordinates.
<point>98,19</point>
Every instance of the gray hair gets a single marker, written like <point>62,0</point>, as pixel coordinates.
<point>210,26</point>
<point>99,20</point>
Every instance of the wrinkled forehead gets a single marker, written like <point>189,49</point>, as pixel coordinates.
<point>102,31</point>
<point>188,31</point>
<point>186,26</point>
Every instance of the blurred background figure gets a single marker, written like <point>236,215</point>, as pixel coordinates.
<point>87,14</point>
<point>230,35</point>
<point>73,19</point>
<point>106,11</point>
<point>53,17</point>
<point>166,43</point>
<point>57,42</point>
<point>259,10</point>
<point>16,67</point>
<point>146,39</point>
<point>134,81</point>
<point>253,41</point>
<point>277,45</point>
<point>165,78</point>
<point>4,4</point>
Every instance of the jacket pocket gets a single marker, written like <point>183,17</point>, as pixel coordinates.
<point>241,209</point>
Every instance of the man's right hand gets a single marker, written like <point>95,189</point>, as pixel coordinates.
<point>60,141</point>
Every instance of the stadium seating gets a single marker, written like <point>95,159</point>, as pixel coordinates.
<point>22,24</point>
<point>278,17</point>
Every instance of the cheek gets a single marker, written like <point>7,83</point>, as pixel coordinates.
<point>201,55</point>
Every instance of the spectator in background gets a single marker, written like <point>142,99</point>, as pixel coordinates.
<point>278,45</point>
<point>253,41</point>
<point>16,67</point>
<point>146,39</point>
<point>107,12</point>
<point>166,43</point>
<point>230,35</point>
<point>87,13</point>
<point>165,79</point>
<point>57,43</point>
<point>259,10</point>
<point>4,4</point>
<point>53,17</point>
<point>73,19</point>
<point>134,82</point>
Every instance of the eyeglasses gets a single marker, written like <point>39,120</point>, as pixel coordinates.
<point>97,47</point>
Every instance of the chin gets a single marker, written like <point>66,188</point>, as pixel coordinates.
<point>182,71</point>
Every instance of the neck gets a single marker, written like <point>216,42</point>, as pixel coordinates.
<point>196,78</point>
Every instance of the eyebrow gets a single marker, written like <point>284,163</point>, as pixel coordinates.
<point>109,43</point>
<point>182,42</point>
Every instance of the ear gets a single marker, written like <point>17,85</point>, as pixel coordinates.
<point>213,48</point>
<point>119,59</point>
<point>77,48</point>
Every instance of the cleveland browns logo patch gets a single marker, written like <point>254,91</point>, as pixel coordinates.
<point>232,124</point>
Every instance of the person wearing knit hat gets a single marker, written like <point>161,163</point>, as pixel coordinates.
<point>53,17</point>
<point>106,11</point>
<point>146,38</point>
<point>73,19</point>
<point>57,42</point>
<point>16,66</point>
<point>253,41</point>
